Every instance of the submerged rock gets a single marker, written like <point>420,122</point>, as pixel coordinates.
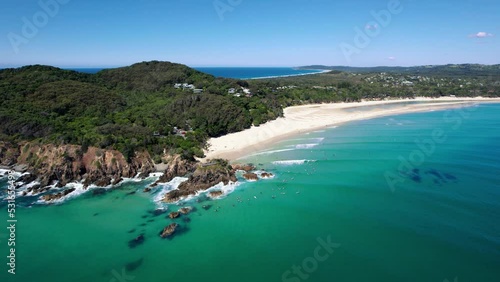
<point>134,265</point>
<point>98,191</point>
<point>158,212</point>
<point>136,241</point>
<point>168,230</point>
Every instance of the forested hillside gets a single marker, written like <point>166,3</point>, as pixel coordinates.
<point>128,108</point>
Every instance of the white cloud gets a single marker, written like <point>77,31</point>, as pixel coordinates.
<point>481,34</point>
<point>371,26</point>
<point>392,58</point>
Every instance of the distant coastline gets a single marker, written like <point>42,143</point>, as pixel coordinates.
<point>239,72</point>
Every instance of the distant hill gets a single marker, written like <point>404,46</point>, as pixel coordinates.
<point>152,76</point>
<point>445,70</point>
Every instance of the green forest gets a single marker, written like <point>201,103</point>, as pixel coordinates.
<point>140,107</point>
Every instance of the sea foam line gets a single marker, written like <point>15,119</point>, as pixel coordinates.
<point>306,146</point>
<point>289,75</point>
<point>292,162</point>
<point>271,152</point>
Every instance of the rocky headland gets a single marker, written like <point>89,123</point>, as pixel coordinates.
<point>204,177</point>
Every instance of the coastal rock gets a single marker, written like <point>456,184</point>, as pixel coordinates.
<point>117,180</point>
<point>251,176</point>
<point>26,178</point>
<point>106,181</point>
<point>48,163</point>
<point>168,230</point>
<point>267,175</point>
<point>185,210</point>
<point>215,194</point>
<point>173,215</point>
<point>9,153</point>
<point>244,167</point>
<point>53,197</point>
<point>205,177</point>
<point>176,167</point>
<point>146,190</point>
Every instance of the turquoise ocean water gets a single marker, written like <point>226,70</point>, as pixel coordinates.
<point>438,222</point>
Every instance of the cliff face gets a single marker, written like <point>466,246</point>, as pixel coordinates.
<point>67,163</point>
<point>63,164</point>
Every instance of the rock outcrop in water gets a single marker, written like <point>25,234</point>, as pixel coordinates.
<point>185,210</point>
<point>53,197</point>
<point>266,175</point>
<point>205,176</point>
<point>173,215</point>
<point>215,194</point>
<point>251,176</point>
<point>243,167</point>
<point>64,164</point>
<point>169,230</point>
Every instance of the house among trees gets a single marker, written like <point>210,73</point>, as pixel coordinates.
<point>184,86</point>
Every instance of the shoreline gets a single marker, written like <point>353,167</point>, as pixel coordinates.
<point>307,118</point>
<point>288,75</point>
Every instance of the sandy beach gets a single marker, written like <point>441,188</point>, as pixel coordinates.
<point>307,118</point>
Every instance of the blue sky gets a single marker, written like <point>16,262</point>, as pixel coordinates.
<point>91,33</point>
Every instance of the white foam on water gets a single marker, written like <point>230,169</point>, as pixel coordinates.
<point>4,173</point>
<point>24,188</point>
<point>155,175</point>
<point>271,152</point>
<point>79,190</point>
<point>305,146</point>
<point>226,189</point>
<point>167,187</point>
<point>292,162</point>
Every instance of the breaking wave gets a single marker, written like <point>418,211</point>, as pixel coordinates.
<point>292,162</point>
